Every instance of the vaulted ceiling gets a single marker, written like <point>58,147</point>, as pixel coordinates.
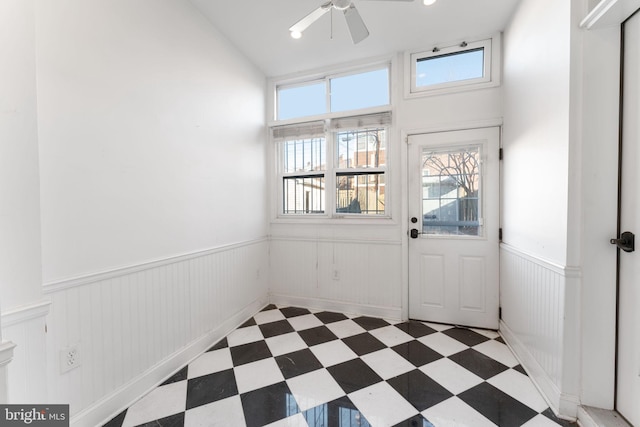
<point>260,29</point>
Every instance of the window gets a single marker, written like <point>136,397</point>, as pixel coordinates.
<point>453,68</point>
<point>347,155</point>
<point>338,93</point>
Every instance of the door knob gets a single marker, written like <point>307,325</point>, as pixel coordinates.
<point>414,233</point>
<point>626,242</point>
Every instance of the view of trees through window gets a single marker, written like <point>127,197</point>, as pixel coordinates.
<point>450,186</point>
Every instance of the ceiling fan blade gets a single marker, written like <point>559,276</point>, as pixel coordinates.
<point>356,25</point>
<point>304,23</point>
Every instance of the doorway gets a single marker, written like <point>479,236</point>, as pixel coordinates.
<point>454,194</point>
<point>628,360</point>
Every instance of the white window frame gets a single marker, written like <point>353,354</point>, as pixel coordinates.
<point>491,75</point>
<point>330,177</point>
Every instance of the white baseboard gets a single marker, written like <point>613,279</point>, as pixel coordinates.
<point>563,405</point>
<point>114,403</point>
<point>338,306</point>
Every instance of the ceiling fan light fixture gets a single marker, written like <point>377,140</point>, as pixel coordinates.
<point>296,34</point>
<point>428,2</point>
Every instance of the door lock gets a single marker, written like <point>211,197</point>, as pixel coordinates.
<point>414,233</point>
<point>626,242</point>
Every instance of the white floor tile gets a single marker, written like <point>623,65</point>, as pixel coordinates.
<point>438,326</point>
<point>387,363</point>
<point>287,343</point>
<point>333,352</point>
<point>244,336</point>
<point>487,333</point>
<point>314,388</point>
<point>381,405</point>
<point>306,321</point>
<point>345,328</point>
<point>451,376</point>
<point>391,336</point>
<point>540,421</point>
<point>443,344</point>
<point>223,413</point>
<point>258,374</point>
<point>453,412</point>
<point>519,387</point>
<point>159,403</point>
<point>210,362</point>
<point>268,316</point>
<point>498,351</point>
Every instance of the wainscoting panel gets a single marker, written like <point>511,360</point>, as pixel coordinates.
<point>539,321</point>
<point>136,326</point>
<point>350,275</point>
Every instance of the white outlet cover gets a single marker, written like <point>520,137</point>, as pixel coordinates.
<point>69,358</point>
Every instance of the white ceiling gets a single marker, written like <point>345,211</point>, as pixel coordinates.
<point>259,28</point>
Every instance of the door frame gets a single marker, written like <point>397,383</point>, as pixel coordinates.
<point>405,134</point>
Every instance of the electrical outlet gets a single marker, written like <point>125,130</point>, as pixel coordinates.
<point>335,275</point>
<point>257,273</point>
<point>69,358</point>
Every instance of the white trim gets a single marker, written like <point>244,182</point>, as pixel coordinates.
<point>452,127</point>
<point>111,405</point>
<point>22,314</point>
<point>338,306</point>
<point>609,13</point>
<point>537,374</point>
<point>331,240</point>
<point>72,282</point>
<point>571,272</point>
<point>6,354</point>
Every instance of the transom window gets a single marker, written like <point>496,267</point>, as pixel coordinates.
<point>336,93</point>
<point>335,167</point>
<point>443,68</point>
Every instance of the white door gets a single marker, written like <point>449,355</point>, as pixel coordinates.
<point>454,225</point>
<point>628,393</point>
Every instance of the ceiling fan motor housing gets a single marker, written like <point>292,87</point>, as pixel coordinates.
<point>341,4</point>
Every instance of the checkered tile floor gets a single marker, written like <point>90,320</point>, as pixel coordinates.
<point>291,367</point>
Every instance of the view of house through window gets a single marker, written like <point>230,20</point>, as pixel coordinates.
<point>450,191</point>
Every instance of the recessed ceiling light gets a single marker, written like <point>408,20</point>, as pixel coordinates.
<point>428,2</point>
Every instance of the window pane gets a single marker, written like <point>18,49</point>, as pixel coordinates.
<point>450,67</point>
<point>303,195</point>
<point>361,149</point>
<point>360,193</point>
<point>302,101</point>
<point>370,89</point>
<point>304,155</point>
<point>450,191</point>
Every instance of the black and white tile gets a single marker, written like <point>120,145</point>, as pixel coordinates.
<point>290,366</point>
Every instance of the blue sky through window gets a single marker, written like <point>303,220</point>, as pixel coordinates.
<point>450,68</point>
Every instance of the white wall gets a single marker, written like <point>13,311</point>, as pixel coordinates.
<point>151,135</point>
<point>536,128</point>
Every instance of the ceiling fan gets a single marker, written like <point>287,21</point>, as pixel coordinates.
<point>357,27</point>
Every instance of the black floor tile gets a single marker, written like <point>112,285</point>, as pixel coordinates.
<point>294,311</point>
<point>419,390</point>
<point>476,362</point>
<point>353,375</point>
<point>220,344</point>
<point>211,388</point>
<point>176,420</point>
<point>117,420</point>
<point>318,335</point>
<point>415,329</point>
<point>500,340</point>
<point>466,336</point>
<point>330,317</point>
<point>564,423</point>
<point>415,421</point>
<point>339,413</point>
<point>269,404</point>
<point>520,369</point>
<point>362,344</point>
<point>248,353</point>
<point>497,406</point>
<point>250,322</point>
<point>276,328</point>
<point>417,353</point>
<point>181,375</point>
<point>269,307</point>
<point>370,323</point>
<point>297,363</point>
